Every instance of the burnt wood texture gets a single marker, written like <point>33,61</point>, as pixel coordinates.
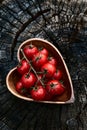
<point>64,24</point>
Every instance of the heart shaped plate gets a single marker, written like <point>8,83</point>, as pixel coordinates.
<point>13,76</point>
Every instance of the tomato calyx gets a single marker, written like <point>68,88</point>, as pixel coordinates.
<point>45,71</point>
<point>44,74</point>
<point>31,46</point>
<point>52,85</point>
<point>19,64</point>
<point>50,58</point>
<point>27,75</point>
<point>61,81</point>
<point>41,48</point>
<point>38,58</point>
<point>35,88</point>
<point>23,90</point>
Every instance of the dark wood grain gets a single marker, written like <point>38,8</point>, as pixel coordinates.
<point>65,25</point>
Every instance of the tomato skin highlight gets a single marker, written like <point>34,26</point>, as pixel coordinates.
<point>23,67</point>
<point>28,80</point>
<point>38,93</point>
<point>54,87</point>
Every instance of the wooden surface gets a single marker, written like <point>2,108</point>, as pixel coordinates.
<point>20,21</point>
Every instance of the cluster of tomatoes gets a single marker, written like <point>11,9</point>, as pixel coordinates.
<point>39,74</point>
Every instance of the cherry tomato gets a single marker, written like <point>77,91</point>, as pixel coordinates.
<point>44,51</point>
<point>54,87</point>
<point>23,67</point>
<point>19,88</point>
<point>38,93</point>
<point>58,75</point>
<point>52,61</point>
<point>30,51</point>
<point>48,70</point>
<point>39,60</point>
<point>28,80</point>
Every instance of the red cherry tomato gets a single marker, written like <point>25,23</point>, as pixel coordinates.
<point>58,75</point>
<point>48,69</point>
<point>39,60</point>
<point>23,67</point>
<point>52,61</point>
<point>28,80</point>
<point>44,51</point>
<point>30,51</point>
<point>38,93</point>
<point>54,87</point>
<point>19,88</point>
